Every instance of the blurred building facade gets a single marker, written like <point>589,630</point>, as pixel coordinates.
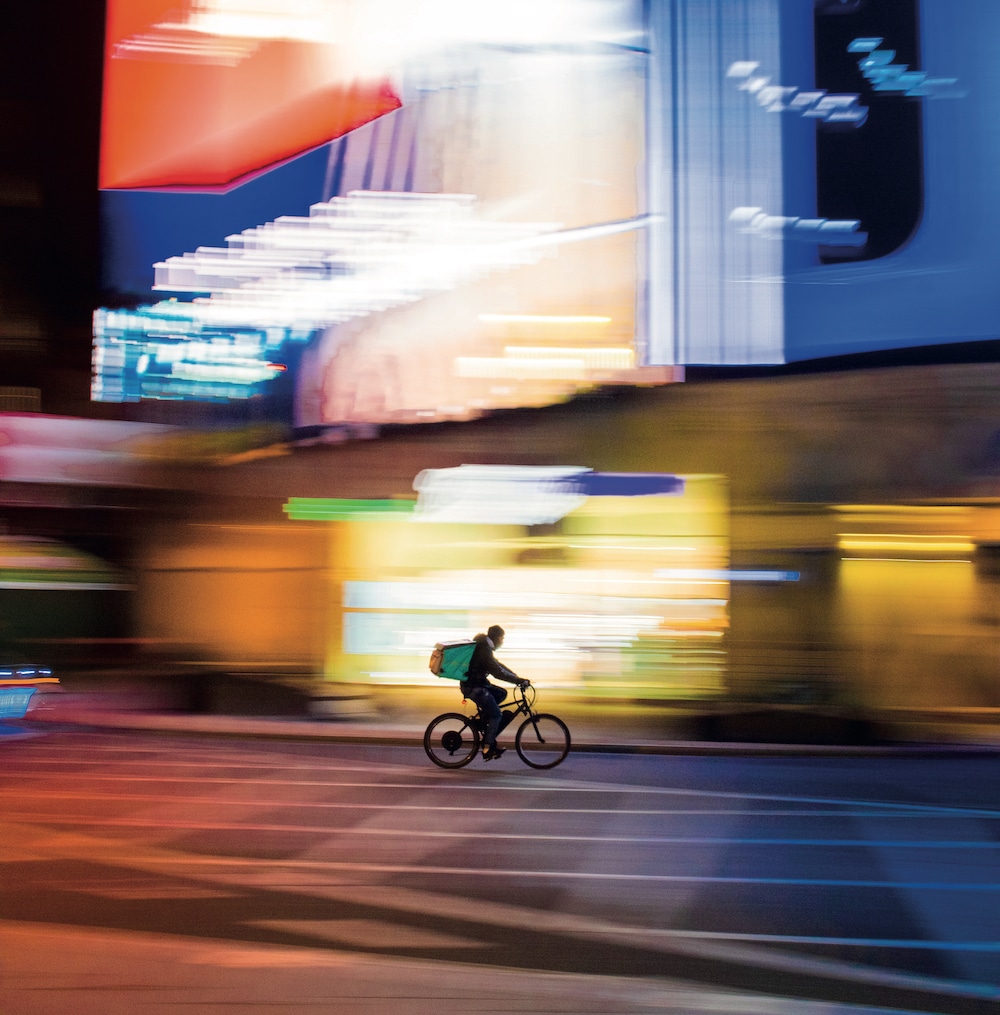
<point>878,490</point>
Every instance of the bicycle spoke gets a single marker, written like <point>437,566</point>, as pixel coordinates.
<point>542,741</point>
<point>451,740</point>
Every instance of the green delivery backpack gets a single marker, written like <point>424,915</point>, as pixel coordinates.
<point>450,659</point>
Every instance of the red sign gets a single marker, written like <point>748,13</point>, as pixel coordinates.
<point>189,107</point>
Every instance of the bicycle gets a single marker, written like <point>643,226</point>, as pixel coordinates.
<point>452,739</point>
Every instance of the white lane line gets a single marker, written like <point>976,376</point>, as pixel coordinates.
<point>31,794</point>
<point>166,762</point>
<point>556,875</point>
<point>195,780</point>
<point>799,939</point>
<point>551,785</point>
<point>577,787</point>
<point>415,833</point>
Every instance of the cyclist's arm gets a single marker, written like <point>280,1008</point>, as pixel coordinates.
<point>498,670</point>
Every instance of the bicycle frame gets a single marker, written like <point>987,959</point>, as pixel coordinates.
<point>449,745</point>
<point>520,700</point>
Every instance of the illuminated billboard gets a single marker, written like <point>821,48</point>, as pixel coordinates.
<point>628,577</point>
<point>407,212</point>
<point>820,177</point>
<point>461,229</point>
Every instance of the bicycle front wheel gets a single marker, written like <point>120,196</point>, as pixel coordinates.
<point>542,741</point>
<point>451,740</point>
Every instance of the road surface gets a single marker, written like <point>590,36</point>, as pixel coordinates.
<point>147,873</point>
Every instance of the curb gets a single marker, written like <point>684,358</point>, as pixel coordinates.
<point>256,729</point>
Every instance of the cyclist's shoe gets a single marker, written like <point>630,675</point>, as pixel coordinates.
<point>492,753</point>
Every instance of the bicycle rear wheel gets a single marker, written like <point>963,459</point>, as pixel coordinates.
<point>451,740</point>
<point>542,740</point>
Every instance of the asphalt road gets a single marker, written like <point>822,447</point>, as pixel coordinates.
<point>147,873</point>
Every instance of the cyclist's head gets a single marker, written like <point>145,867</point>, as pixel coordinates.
<point>495,634</point>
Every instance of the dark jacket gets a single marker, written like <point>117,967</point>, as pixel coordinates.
<point>484,664</point>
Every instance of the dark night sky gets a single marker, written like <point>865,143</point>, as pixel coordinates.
<point>50,87</point>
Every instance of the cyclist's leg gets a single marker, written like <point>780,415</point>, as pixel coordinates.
<point>507,715</point>
<point>490,711</point>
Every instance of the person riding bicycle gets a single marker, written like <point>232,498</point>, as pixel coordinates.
<point>477,687</point>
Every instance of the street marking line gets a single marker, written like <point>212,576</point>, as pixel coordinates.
<point>214,762</point>
<point>416,833</point>
<point>475,872</point>
<point>553,786</point>
<point>582,787</point>
<point>32,794</point>
<point>793,939</point>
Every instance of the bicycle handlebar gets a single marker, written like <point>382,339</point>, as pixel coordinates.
<point>523,691</point>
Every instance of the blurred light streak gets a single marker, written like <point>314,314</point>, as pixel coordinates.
<point>727,575</point>
<point>231,30</point>
<point>351,256</point>
<point>588,232</point>
<point>37,448</point>
<point>26,676</point>
<point>525,495</point>
<point>917,510</point>
<point>829,232</point>
<point>549,363</point>
<point>504,495</point>
<point>596,357</point>
<point>321,509</point>
<point>219,91</point>
<point>910,560</point>
<point>572,620</point>
<point>639,548</point>
<point>521,368</point>
<point>885,76</point>
<point>906,543</point>
<point>462,72</point>
<point>283,281</point>
<point>788,99</point>
<point>44,564</point>
<point>549,590</point>
<point>649,581</point>
<point>543,319</point>
<point>166,40</point>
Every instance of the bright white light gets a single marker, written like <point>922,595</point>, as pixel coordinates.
<point>610,358</point>
<point>553,368</point>
<point>496,494</point>
<point>300,20</point>
<point>639,548</point>
<point>350,257</point>
<point>388,33</point>
<point>544,319</point>
<point>379,37</point>
<point>564,623</point>
<point>787,99</point>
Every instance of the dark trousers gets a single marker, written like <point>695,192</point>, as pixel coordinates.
<point>488,698</point>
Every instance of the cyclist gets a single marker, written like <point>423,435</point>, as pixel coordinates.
<point>476,687</point>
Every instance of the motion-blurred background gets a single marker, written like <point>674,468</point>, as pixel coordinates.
<point>663,334</point>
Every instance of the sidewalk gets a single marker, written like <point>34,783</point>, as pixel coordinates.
<point>620,730</point>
